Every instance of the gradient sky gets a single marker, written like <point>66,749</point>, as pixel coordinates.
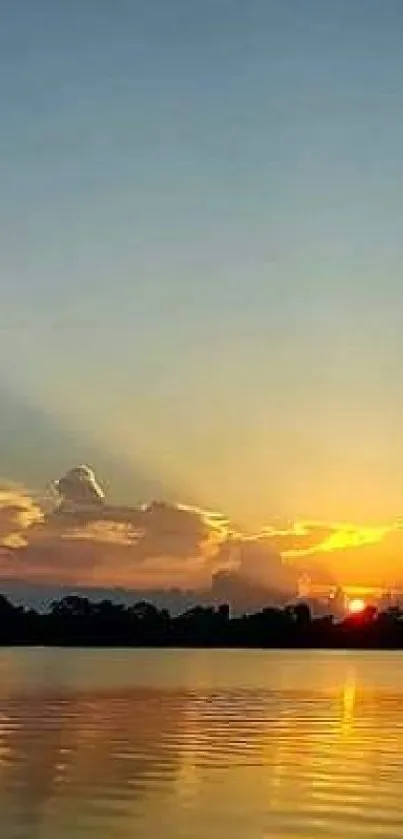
<point>201,250</point>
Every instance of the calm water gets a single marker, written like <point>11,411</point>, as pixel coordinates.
<point>200,745</point>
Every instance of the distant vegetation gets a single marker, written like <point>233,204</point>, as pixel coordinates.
<point>76,621</point>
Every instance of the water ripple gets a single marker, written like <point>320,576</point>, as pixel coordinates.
<point>217,744</point>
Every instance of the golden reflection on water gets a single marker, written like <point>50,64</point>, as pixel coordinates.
<point>349,696</point>
<point>196,744</point>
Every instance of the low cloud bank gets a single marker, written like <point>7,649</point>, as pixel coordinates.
<point>81,540</point>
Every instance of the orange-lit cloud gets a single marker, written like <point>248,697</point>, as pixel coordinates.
<point>18,512</point>
<point>166,545</point>
<point>318,537</point>
<point>310,537</point>
<point>350,553</point>
<point>157,545</point>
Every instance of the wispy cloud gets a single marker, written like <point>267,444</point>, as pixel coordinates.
<point>349,552</point>
<point>312,537</point>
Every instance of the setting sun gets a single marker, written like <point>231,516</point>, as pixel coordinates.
<point>356,605</point>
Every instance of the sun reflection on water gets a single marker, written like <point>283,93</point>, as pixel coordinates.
<point>348,701</point>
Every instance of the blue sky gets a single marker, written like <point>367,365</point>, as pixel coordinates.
<point>201,250</point>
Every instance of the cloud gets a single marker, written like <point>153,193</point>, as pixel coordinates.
<point>343,552</point>
<point>79,486</point>
<point>320,538</point>
<point>298,538</point>
<point>84,540</point>
<point>18,512</point>
<point>251,574</point>
<point>373,557</point>
<point>105,532</point>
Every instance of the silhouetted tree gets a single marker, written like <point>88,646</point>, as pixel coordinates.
<point>79,621</point>
<point>72,606</point>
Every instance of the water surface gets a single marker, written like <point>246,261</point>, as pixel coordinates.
<point>214,744</point>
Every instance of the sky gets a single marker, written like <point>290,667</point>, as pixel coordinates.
<point>200,254</point>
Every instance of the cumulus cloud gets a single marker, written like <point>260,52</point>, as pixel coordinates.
<point>79,486</point>
<point>84,540</point>
<point>249,574</point>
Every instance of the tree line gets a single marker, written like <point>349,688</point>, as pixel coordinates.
<point>78,621</point>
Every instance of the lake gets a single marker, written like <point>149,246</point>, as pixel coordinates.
<point>205,744</point>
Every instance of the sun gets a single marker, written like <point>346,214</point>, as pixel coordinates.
<point>356,605</point>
